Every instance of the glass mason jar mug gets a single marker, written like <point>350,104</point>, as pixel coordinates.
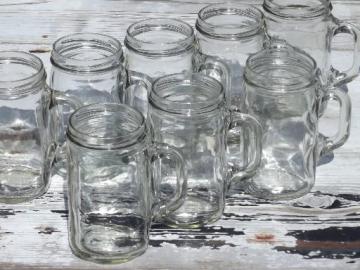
<point>158,47</point>
<point>26,149</point>
<point>86,67</point>
<point>187,111</point>
<point>283,90</point>
<point>310,26</point>
<point>231,32</point>
<point>113,186</point>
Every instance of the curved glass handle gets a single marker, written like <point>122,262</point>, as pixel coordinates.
<point>165,203</point>
<point>267,37</point>
<point>254,144</point>
<point>60,98</point>
<point>137,90</point>
<point>328,144</point>
<point>218,70</point>
<point>346,76</point>
<point>271,42</point>
<point>60,157</point>
<point>55,98</point>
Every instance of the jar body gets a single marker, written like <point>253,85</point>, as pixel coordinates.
<point>157,66</point>
<point>24,161</point>
<point>234,54</point>
<point>109,203</point>
<point>289,142</point>
<point>202,143</point>
<point>26,151</point>
<point>88,88</point>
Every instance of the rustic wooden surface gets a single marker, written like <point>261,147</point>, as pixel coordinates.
<point>319,231</point>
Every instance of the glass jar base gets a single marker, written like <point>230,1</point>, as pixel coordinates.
<point>106,259</point>
<point>13,194</point>
<point>186,225</point>
<point>285,196</point>
<point>194,213</point>
<point>108,245</point>
<point>277,185</point>
<point>21,199</point>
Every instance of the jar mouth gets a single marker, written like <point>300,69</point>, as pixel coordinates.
<point>281,69</point>
<point>106,126</point>
<point>87,52</point>
<point>187,94</point>
<point>21,74</point>
<point>230,21</point>
<point>306,9</point>
<point>160,37</point>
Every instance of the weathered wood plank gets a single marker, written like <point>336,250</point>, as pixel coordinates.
<point>56,18</point>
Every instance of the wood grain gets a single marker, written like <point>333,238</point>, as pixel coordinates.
<point>319,231</point>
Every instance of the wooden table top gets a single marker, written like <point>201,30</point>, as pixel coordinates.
<point>321,230</point>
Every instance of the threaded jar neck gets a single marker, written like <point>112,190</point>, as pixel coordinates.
<point>107,126</point>
<point>160,37</point>
<point>281,68</point>
<point>21,74</point>
<point>87,52</point>
<point>187,94</point>
<point>229,21</point>
<point>302,10</point>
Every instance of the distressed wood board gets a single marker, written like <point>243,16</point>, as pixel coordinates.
<point>319,231</point>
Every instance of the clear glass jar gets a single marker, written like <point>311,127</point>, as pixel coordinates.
<point>188,111</point>
<point>283,88</point>
<point>26,148</point>
<point>115,187</point>
<point>310,26</point>
<point>87,67</point>
<point>231,32</point>
<point>158,47</point>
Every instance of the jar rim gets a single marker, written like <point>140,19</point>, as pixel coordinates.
<point>233,32</point>
<point>96,114</point>
<point>111,48</point>
<point>155,48</point>
<point>29,84</point>
<point>298,11</point>
<point>283,57</point>
<point>159,97</point>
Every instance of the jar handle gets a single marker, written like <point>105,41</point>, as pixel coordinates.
<point>247,123</point>
<point>61,98</point>
<point>55,98</point>
<point>346,76</point>
<point>137,91</point>
<point>163,204</point>
<point>218,70</point>
<point>328,144</point>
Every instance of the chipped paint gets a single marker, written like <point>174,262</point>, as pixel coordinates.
<point>46,229</point>
<point>331,243</point>
<point>4,213</point>
<point>40,50</point>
